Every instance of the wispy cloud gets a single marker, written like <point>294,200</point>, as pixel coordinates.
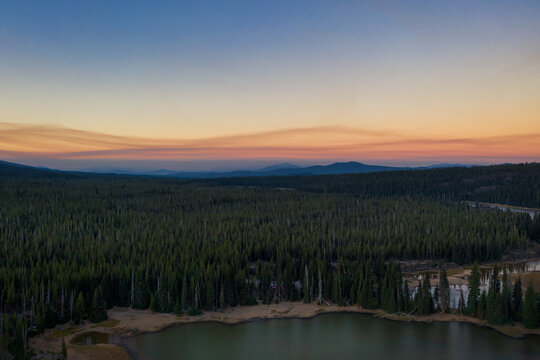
<point>19,141</point>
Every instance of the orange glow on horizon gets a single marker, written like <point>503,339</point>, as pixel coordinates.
<point>326,142</point>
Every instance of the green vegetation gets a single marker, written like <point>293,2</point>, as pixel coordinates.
<point>516,185</point>
<point>504,304</point>
<point>79,311</point>
<point>98,309</point>
<point>73,245</point>
<point>443,292</point>
<point>494,307</point>
<point>474,291</point>
<point>530,308</point>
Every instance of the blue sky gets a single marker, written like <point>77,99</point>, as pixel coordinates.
<point>205,69</point>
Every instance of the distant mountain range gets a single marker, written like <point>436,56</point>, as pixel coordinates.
<point>283,169</point>
<point>289,169</point>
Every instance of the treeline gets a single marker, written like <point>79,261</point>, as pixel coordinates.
<point>517,185</point>
<point>502,302</point>
<point>72,247</point>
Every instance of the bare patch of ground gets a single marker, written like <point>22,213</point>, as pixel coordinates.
<point>97,352</point>
<point>106,324</point>
<point>526,277</point>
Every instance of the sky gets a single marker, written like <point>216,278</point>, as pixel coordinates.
<point>204,84</point>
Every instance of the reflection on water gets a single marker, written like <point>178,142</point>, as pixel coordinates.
<point>511,268</point>
<point>331,336</point>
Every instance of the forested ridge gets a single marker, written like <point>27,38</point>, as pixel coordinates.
<point>73,245</point>
<point>506,184</point>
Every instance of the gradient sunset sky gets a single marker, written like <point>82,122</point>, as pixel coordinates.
<point>203,83</point>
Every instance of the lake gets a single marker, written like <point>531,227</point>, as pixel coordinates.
<point>331,336</point>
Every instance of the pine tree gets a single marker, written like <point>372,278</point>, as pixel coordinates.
<point>140,293</point>
<point>98,309</point>
<point>18,344</point>
<point>306,286</point>
<point>319,296</point>
<point>177,309</point>
<point>425,299</point>
<point>184,294</point>
<point>210,295</point>
<point>474,291</point>
<point>51,316</point>
<point>79,308</point>
<point>444,292</point>
<point>506,298</point>
<point>335,290</point>
<point>153,304</point>
<point>530,308</point>
<point>494,306</point>
<point>482,303</point>
<point>406,297</point>
<point>368,301</point>
<point>517,300</point>
<point>40,323</point>
<point>162,297</point>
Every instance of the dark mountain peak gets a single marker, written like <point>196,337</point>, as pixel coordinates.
<point>7,163</point>
<point>350,167</point>
<point>280,166</point>
<point>12,169</point>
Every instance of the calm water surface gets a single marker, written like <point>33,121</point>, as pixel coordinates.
<point>331,336</point>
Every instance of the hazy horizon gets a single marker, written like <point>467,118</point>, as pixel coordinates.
<point>141,166</point>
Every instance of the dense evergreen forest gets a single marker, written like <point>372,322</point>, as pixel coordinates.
<point>73,245</point>
<point>505,184</point>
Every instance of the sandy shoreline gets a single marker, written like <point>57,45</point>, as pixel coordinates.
<point>126,322</point>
